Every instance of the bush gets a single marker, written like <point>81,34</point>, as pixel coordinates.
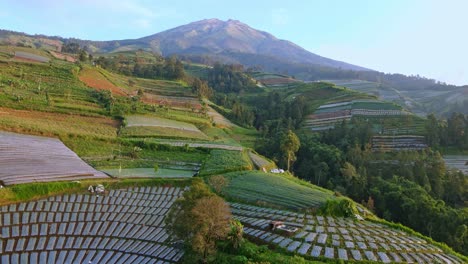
<point>339,208</point>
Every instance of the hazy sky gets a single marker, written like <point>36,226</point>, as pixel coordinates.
<point>424,37</point>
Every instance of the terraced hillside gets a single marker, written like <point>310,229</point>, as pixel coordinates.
<point>397,143</point>
<point>385,118</point>
<point>337,238</point>
<point>419,101</point>
<point>25,159</point>
<point>123,226</point>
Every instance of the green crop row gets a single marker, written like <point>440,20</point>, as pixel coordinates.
<point>275,189</point>
<point>223,161</point>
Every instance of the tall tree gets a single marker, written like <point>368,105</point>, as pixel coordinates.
<point>200,218</point>
<point>290,145</point>
<point>210,223</point>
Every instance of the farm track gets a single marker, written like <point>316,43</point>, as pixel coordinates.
<point>219,119</point>
<point>259,161</point>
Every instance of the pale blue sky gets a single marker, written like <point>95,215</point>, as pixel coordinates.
<point>425,37</point>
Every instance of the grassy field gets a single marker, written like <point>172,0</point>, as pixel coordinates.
<point>222,161</point>
<point>44,87</point>
<point>56,124</point>
<point>275,190</point>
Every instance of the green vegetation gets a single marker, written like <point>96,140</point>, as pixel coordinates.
<point>275,190</point>
<point>222,161</point>
<point>229,78</point>
<point>163,132</point>
<point>30,191</point>
<point>251,253</point>
<point>339,208</point>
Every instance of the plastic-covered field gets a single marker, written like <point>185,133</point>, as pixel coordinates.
<point>30,56</point>
<point>26,159</point>
<point>125,226</point>
<point>338,238</point>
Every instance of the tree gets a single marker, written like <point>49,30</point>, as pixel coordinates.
<point>290,145</point>
<point>218,183</point>
<point>211,223</point>
<point>201,88</point>
<point>200,218</point>
<point>236,232</point>
<point>83,56</point>
<point>433,134</point>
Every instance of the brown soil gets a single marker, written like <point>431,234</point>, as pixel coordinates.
<point>96,80</point>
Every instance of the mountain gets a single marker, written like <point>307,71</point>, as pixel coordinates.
<point>228,41</point>
<point>213,36</point>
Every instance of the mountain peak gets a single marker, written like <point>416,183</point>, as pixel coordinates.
<point>215,37</point>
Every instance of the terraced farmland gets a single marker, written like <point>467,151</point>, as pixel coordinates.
<point>187,103</point>
<point>56,124</point>
<point>163,87</point>
<point>21,55</point>
<point>149,173</point>
<point>125,226</point>
<point>328,115</point>
<point>457,162</point>
<point>25,159</point>
<point>94,79</point>
<point>337,238</point>
<point>152,126</point>
<point>222,161</point>
<point>275,190</point>
<point>398,143</point>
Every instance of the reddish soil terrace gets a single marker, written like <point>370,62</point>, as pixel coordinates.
<point>96,80</point>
